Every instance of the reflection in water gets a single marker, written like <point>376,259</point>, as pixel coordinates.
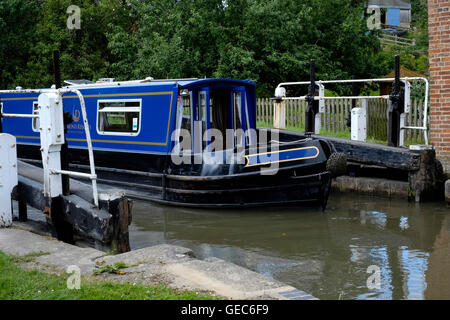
<point>438,265</point>
<point>324,253</point>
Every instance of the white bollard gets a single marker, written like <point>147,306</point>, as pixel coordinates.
<point>8,177</point>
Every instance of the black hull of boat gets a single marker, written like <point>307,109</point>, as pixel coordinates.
<point>299,183</point>
<point>233,192</point>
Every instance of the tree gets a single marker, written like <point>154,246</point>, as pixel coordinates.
<point>260,40</point>
<point>268,41</point>
<point>84,51</point>
<point>17,34</point>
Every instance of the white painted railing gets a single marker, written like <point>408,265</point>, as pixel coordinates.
<point>55,170</point>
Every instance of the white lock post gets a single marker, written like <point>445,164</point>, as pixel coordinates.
<point>318,116</point>
<point>406,110</point>
<point>279,114</point>
<point>52,138</point>
<point>359,122</point>
<point>8,177</point>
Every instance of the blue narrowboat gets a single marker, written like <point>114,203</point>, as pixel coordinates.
<point>189,142</point>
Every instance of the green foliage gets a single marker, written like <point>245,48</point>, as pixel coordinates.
<point>419,13</point>
<point>264,41</point>
<point>18,20</point>
<point>268,41</point>
<point>84,52</point>
<point>19,284</point>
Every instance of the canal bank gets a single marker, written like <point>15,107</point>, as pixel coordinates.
<point>166,264</point>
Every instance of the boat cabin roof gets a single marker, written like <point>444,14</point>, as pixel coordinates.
<point>181,83</point>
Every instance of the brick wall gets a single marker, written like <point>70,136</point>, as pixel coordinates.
<point>439,54</point>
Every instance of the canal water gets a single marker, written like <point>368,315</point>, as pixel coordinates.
<point>332,255</point>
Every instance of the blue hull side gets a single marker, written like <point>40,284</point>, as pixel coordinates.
<point>157,117</point>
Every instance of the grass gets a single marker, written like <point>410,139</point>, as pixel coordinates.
<point>28,257</point>
<point>102,267</point>
<point>17,283</point>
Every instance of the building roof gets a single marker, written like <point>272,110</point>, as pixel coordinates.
<point>399,4</point>
<point>405,73</point>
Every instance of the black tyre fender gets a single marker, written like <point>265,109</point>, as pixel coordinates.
<point>337,164</point>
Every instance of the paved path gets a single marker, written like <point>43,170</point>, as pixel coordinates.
<point>173,265</point>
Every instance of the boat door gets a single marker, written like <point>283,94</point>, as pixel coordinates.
<point>202,120</point>
<point>239,119</point>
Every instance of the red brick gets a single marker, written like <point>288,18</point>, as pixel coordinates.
<point>439,54</point>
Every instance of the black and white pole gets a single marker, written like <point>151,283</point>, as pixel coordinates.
<point>312,107</point>
<point>396,107</point>
<point>61,227</point>
<point>67,121</point>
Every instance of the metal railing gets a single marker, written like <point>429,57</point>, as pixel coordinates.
<point>92,175</point>
<point>424,127</point>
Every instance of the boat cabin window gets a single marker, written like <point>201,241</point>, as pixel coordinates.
<point>186,121</point>
<point>202,115</point>
<point>119,117</point>
<point>35,121</point>
<point>237,123</point>
<point>237,118</point>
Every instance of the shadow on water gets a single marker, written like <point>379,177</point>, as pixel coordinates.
<point>325,253</point>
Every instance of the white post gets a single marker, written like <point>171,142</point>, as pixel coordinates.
<point>407,109</point>
<point>318,116</point>
<point>52,137</point>
<point>359,122</point>
<point>279,114</point>
<point>8,177</point>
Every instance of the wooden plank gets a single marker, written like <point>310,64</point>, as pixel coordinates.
<point>108,225</point>
<point>295,114</point>
<point>338,115</point>
<point>270,110</point>
<point>289,113</point>
<point>261,113</point>
<point>333,116</point>
<point>266,110</point>
<point>376,154</point>
<point>369,153</point>
<point>266,118</point>
<point>258,109</point>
